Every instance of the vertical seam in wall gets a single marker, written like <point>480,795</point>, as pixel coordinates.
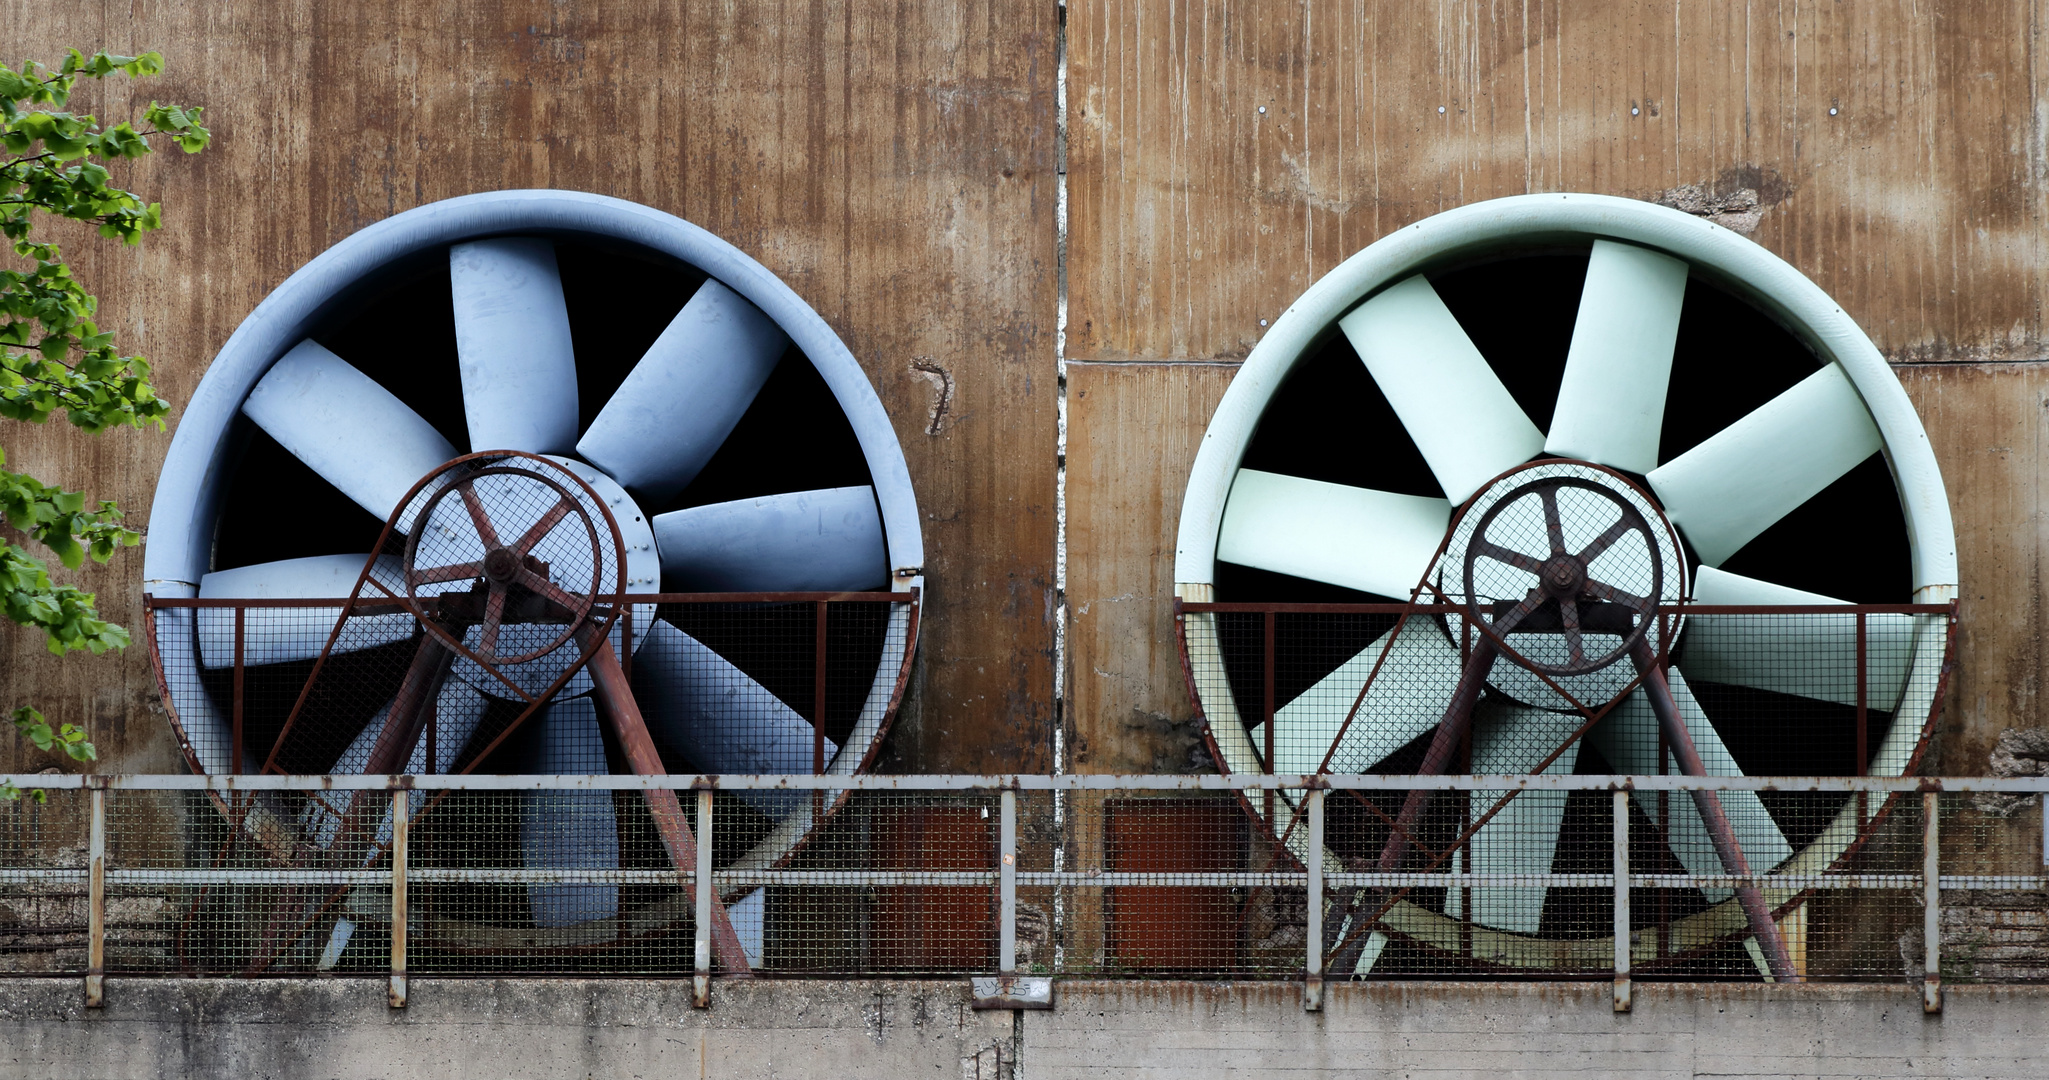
<point>1059,748</point>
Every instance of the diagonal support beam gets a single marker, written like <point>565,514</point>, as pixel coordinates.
<point>1457,720</point>
<point>615,695</point>
<point>1762,926</point>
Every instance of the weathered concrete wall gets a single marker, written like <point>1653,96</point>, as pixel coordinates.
<point>893,162</point>
<point>1456,1030</point>
<point>340,1029</point>
<point>514,1028</point>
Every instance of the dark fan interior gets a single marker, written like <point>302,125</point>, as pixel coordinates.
<point>401,333</point>
<point>793,438</point>
<point>1331,423</point>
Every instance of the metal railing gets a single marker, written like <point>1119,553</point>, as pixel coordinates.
<point>933,885</point>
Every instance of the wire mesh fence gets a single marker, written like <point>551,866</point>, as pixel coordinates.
<point>1083,876</point>
<point>730,683</point>
<point>1818,690</point>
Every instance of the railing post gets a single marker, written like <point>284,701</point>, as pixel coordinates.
<point>1006,889</point>
<point>96,894</point>
<point>1622,1002</point>
<point>1269,630</point>
<point>1931,901</point>
<point>818,619</point>
<point>700,981</point>
<point>1863,717</point>
<point>1312,937</point>
<point>235,721</point>
<point>707,894</point>
<point>401,845</point>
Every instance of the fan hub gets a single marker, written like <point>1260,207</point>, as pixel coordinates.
<point>1564,577</point>
<point>1564,563</point>
<point>501,565</point>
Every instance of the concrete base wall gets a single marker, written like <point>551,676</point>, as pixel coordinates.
<point>559,1028</point>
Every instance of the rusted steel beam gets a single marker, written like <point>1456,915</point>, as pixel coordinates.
<point>401,848</point>
<point>1964,785</point>
<point>1256,607</point>
<point>1762,926</point>
<point>380,603</point>
<point>1458,718</point>
<point>615,694</point>
<point>1622,920</point>
<point>1931,902</point>
<point>96,898</point>
<point>1451,731</point>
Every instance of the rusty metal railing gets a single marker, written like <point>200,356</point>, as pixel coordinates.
<point>981,888</point>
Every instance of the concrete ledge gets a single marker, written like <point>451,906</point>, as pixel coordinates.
<point>1420,1029</point>
<point>341,1028</point>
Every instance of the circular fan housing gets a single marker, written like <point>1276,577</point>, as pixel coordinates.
<point>693,399</point>
<point>1395,417</point>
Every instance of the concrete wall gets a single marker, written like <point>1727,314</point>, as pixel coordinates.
<point>563,1028</point>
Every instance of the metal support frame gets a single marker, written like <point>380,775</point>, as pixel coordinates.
<point>96,896</point>
<point>707,892</point>
<point>1931,902</point>
<point>1312,937</point>
<point>1008,989</point>
<point>1006,886</point>
<point>223,784</point>
<point>1622,931</point>
<point>401,846</point>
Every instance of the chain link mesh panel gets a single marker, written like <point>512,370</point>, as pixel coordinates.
<point>1132,882</point>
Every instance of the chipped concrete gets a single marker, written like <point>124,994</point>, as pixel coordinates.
<point>341,1029</point>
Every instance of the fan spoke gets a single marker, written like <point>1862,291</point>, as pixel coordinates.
<point>806,541</point>
<point>1504,623</point>
<point>1628,738</point>
<point>1603,591</point>
<point>438,574</point>
<point>1735,485</point>
<point>479,517</point>
<point>279,635</point>
<point>569,830</point>
<point>552,591</point>
<point>344,426</point>
<point>1405,701</point>
<point>686,394</point>
<point>1611,402</point>
<point>1464,421</point>
<point>494,617</point>
<point>708,713</point>
<point>1492,550</point>
<point>513,344</point>
<point>1373,541</point>
<point>543,527</point>
<point>1523,837</point>
<point>1554,530</point>
<point>1811,656</point>
<point>1568,618</point>
<point>1600,544</point>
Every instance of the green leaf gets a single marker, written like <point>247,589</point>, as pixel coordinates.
<point>54,357</point>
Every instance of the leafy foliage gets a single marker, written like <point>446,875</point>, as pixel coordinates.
<point>53,357</point>
<point>66,737</point>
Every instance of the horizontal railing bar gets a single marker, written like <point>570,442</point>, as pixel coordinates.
<point>2017,785</point>
<point>382,601</point>
<point>1214,879</point>
<point>1258,608</point>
